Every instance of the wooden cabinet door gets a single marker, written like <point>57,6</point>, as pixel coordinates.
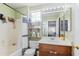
<point>54,50</point>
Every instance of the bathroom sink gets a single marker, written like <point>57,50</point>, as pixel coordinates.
<point>55,41</point>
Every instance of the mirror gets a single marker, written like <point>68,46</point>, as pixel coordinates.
<point>68,23</point>
<point>51,23</point>
<point>68,19</point>
<point>56,23</point>
<point>51,28</point>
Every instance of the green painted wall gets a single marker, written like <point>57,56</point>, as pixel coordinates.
<point>9,12</point>
<point>17,15</point>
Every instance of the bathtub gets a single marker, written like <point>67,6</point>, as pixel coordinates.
<point>17,53</point>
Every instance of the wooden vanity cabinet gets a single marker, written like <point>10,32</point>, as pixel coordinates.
<point>54,50</point>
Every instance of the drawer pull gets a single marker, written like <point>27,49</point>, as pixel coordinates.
<point>51,52</point>
<point>54,52</point>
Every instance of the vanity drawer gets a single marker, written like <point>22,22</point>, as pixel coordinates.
<point>54,50</point>
<point>44,46</point>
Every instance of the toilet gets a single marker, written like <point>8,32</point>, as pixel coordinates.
<point>33,45</point>
<point>28,51</point>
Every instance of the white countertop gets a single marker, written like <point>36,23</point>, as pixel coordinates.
<point>55,41</point>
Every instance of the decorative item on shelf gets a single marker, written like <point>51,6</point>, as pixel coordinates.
<point>2,18</point>
<point>26,20</point>
<point>38,34</point>
<point>33,34</point>
<point>13,21</point>
<point>61,37</point>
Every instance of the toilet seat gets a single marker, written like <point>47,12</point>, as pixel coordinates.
<point>30,52</point>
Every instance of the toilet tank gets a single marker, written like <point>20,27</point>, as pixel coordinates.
<point>33,44</point>
<point>24,42</point>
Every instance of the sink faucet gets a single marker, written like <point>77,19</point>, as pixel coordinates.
<point>52,38</point>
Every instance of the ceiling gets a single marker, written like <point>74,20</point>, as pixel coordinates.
<point>20,5</point>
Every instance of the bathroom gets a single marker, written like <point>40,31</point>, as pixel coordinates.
<point>39,29</point>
